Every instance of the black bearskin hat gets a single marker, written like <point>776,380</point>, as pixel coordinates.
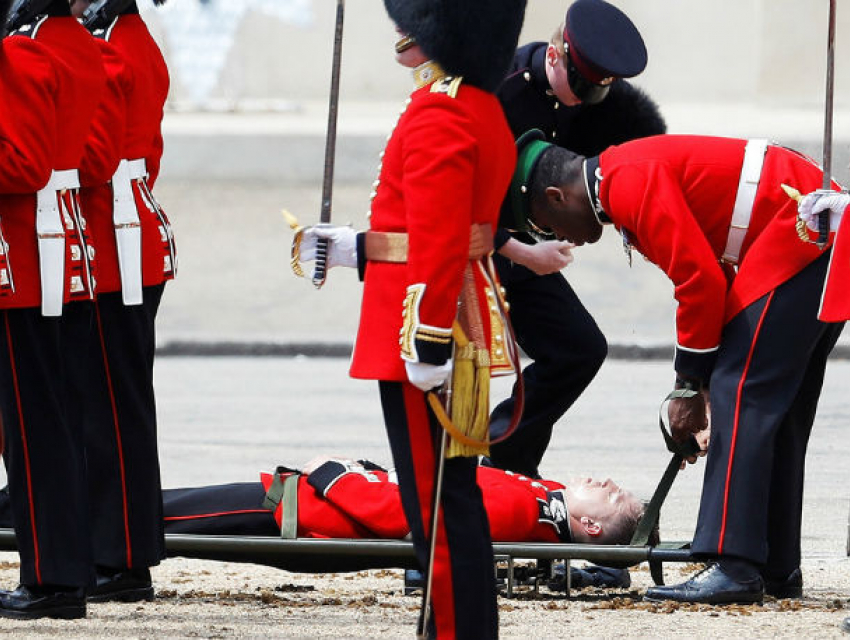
<point>475,39</point>
<point>5,5</point>
<point>101,13</point>
<point>25,11</point>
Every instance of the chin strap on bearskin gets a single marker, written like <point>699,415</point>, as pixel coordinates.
<point>475,39</point>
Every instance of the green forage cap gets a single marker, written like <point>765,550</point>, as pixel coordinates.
<point>530,147</point>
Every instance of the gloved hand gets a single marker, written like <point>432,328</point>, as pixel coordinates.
<point>427,376</point>
<point>342,245</point>
<point>813,203</point>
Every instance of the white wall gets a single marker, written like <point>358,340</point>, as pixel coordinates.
<point>765,52</point>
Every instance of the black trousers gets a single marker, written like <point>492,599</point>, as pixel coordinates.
<point>464,590</point>
<point>44,449</point>
<point>764,394</point>
<point>234,509</point>
<point>119,421</point>
<point>567,347</point>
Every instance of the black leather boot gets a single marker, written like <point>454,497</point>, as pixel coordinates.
<point>122,585</point>
<point>43,601</point>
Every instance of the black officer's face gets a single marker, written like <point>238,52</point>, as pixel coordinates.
<point>567,215</point>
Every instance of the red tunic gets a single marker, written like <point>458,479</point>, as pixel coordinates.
<point>446,166</point>
<point>51,86</point>
<point>673,198</point>
<point>366,504</point>
<point>104,149</point>
<point>136,66</point>
<point>835,304</point>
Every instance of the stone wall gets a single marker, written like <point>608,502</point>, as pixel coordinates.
<point>277,52</point>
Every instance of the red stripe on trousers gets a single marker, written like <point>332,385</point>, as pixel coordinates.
<point>26,450</point>
<point>738,396</point>
<point>118,442</point>
<point>424,463</point>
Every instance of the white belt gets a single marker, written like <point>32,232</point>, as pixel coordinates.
<point>138,169</point>
<point>746,196</point>
<point>128,231</point>
<point>59,180</point>
<point>50,229</point>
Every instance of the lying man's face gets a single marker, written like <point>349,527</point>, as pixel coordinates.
<point>601,512</point>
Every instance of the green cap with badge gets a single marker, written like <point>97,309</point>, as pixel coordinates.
<point>531,146</point>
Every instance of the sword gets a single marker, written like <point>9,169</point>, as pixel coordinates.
<point>823,216</point>
<point>320,270</point>
<point>425,613</point>
<point>794,194</point>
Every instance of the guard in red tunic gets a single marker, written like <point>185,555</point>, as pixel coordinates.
<point>342,498</point>
<point>712,214</point>
<point>135,258</point>
<point>445,171</point>
<point>52,79</point>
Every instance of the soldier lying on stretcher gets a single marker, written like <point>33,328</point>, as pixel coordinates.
<point>343,498</point>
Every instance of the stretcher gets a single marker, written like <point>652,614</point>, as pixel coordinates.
<point>325,555</point>
<point>321,555</point>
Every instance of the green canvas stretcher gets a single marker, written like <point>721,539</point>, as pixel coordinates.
<point>321,555</point>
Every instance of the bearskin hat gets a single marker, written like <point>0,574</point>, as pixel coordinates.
<point>5,6</point>
<point>475,39</point>
<point>24,11</point>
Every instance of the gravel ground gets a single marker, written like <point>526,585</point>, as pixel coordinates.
<point>221,600</point>
<point>201,399</point>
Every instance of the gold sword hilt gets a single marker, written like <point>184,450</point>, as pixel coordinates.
<point>796,196</point>
<point>295,249</point>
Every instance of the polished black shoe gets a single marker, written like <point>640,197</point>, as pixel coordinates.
<point>30,602</point>
<point>845,625</point>
<point>710,586</point>
<point>789,587</point>
<point>127,585</point>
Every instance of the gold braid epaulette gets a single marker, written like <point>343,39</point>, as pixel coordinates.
<point>448,85</point>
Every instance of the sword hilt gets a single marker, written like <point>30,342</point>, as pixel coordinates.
<point>823,229</point>
<point>320,271</point>
<point>823,222</point>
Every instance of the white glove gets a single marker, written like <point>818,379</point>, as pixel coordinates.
<point>427,376</point>
<point>816,201</point>
<point>342,245</point>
